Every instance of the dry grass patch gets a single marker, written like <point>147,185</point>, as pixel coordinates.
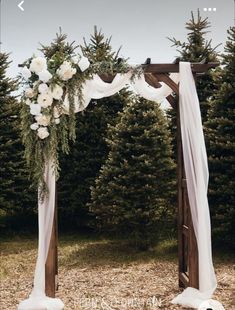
<point>104,274</point>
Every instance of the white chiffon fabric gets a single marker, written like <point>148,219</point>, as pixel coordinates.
<point>96,88</point>
<point>197,176</point>
<point>38,299</point>
<point>196,170</point>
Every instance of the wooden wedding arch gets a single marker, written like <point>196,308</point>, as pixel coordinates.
<point>187,245</point>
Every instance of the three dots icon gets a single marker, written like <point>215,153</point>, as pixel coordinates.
<point>209,9</point>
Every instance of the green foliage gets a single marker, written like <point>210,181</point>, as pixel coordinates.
<point>81,167</point>
<point>15,196</point>
<point>197,49</point>
<point>133,191</point>
<point>59,47</point>
<point>38,150</point>
<point>220,133</point>
<point>99,48</point>
<point>104,60</point>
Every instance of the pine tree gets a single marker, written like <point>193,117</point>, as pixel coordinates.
<point>80,168</point>
<point>133,191</point>
<point>198,49</point>
<point>99,48</point>
<point>195,49</point>
<point>15,196</point>
<point>220,130</point>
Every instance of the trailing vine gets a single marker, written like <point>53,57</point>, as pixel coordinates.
<point>47,126</point>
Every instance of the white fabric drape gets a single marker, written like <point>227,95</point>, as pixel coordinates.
<point>195,160</point>
<point>38,299</point>
<point>142,88</point>
<point>96,88</point>
<point>197,175</point>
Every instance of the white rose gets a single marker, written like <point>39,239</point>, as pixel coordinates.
<point>57,92</point>
<point>42,88</point>
<point>35,109</point>
<point>57,121</point>
<point>43,132</point>
<point>84,63</point>
<point>28,101</point>
<point>43,120</point>
<point>26,73</point>
<point>29,93</point>
<point>34,126</point>
<point>44,76</point>
<point>66,71</point>
<point>45,100</point>
<point>38,64</point>
<point>75,59</point>
<point>56,112</point>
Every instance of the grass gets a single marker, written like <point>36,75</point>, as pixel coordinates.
<point>82,250</point>
<point>100,251</point>
<point>89,250</point>
<point>99,266</point>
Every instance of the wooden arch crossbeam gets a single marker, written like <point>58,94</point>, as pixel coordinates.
<point>156,73</point>
<point>187,247</point>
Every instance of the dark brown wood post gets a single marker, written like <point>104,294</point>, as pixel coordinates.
<point>193,254</point>
<point>51,263</point>
<point>187,245</point>
<point>179,198</point>
<point>56,243</point>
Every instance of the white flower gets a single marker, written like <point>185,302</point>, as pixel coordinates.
<point>66,71</point>
<point>57,92</point>
<point>44,76</point>
<point>45,100</point>
<point>43,132</point>
<point>38,65</point>
<point>56,112</point>
<point>35,109</point>
<point>84,63</point>
<point>29,93</point>
<point>26,73</point>
<point>34,126</point>
<point>43,120</point>
<point>57,121</point>
<point>75,59</point>
<point>28,101</point>
<point>42,88</point>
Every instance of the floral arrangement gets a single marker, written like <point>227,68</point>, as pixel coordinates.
<point>44,96</point>
<point>47,80</point>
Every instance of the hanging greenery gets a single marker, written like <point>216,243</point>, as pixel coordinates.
<point>50,80</point>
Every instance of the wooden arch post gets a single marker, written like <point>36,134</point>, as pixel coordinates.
<point>51,267</point>
<point>187,246</point>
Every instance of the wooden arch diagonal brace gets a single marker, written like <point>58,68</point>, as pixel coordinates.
<point>152,80</point>
<point>163,77</point>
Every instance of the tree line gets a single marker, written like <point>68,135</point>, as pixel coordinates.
<point>120,175</point>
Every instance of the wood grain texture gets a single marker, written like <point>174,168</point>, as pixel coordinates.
<point>51,267</point>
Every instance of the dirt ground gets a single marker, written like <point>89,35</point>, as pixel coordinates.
<point>104,275</point>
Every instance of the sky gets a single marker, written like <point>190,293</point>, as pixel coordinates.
<point>140,27</point>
